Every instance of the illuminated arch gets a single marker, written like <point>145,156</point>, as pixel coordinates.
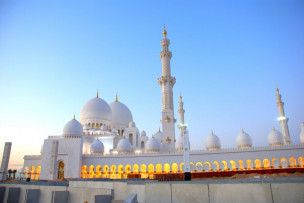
<point>199,166</point>
<point>292,162</point>
<point>266,163</point>
<point>174,168</point>
<point>120,171</point>
<point>217,165</point>
<point>32,172</point>
<point>143,171</point>
<point>91,173</point>
<point>98,171</point>
<point>26,171</point>
<point>128,169</point>
<point>225,165</point>
<point>151,168</point>
<point>181,166</point>
<point>208,164</point>
<point>284,162</point>
<point>106,171</point>
<point>84,171</point>
<point>38,170</point>
<point>275,165</point>
<point>135,168</point>
<point>113,172</point>
<point>249,164</point>
<point>167,168</point>
<point>301,161</point>
<point>258,164</point>
<point>233,165</point>
<point>241,165</point>
<point>158,168</point>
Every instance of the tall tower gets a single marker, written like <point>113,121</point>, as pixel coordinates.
<point>5,160</point>
<point>166,81</point>
<point>282,119</point>
<point>181,110</point>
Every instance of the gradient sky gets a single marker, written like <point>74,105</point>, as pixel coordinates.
<point>228,57</point>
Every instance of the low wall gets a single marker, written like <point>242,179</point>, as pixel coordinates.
<point>242,190</point>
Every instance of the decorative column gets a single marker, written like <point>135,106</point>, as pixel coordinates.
<point>282,119</point>
<point>167,82</point>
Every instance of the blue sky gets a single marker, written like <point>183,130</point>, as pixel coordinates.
<point>227,58</point>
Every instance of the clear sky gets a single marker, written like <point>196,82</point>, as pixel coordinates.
<point>228,57</point>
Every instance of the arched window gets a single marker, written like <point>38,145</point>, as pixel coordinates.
<point>142,144</point>
<point>131,138</point>
<point>61,170</point>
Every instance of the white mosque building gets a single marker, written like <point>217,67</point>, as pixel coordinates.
<point>106,143</point>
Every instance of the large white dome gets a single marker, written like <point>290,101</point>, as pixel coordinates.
<point>275,138</point>
<point>72,129</point>
<point>153,145</point>
<point>213,142</point>
<point>97,147</point>
<point>121,115</point>
<point>244,140</point>
<point>124,146</point>
<point>95,110</point>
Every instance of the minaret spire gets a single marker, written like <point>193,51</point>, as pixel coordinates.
<point>181,110</point>
<point>282,119</point>
<point>166,81</point>
<point>97,94</point>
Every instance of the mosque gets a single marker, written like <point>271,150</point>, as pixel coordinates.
<point>106,143</point>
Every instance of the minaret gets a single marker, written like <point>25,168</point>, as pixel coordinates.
<point>181,110</point>
<point>282,119</point>
<point>167,82</point>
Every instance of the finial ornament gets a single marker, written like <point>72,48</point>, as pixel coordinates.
<point>273,128</point>
<point>277,89</point>
<point>158,129</point>
<point>74,117</point>
<point>152,136</point>
<point>116,98</point>
<point>180,96</point>
<point>211,132</point>
<point>97,94</point>
<point>242,131</point>
<point>165,31</point>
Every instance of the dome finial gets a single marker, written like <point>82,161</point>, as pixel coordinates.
<point>97,94</point>
<point>277,89</point>
<point>180,96</point>
<point>152,136</point>
<point>74,117</point>
<point>242,130</point>
<point>211,132</point>
<point>273,128</point>
<point>116,97</point>
<point>165,31</point>
<point>158,129</point>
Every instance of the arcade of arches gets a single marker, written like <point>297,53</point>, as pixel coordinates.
<point>147,171</point>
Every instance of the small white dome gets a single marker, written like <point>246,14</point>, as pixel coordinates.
<point>179,144</point>
<point>244,140</point>
<point>72,128</point>
<point>143,133</point>
<point>124,146</point>
<point>121,115</point>
<point>103,128</point>
<point>159,135</point>
<point>86,127</point>
<point>152,145</point>
<point>131,124</point>
<point>275,138</point>
<point>96,109</point>
<point>97,147</point>
<point>213,142</point>
<point>302,133</point>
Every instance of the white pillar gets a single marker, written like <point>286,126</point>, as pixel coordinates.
<point>5,160</point>
<point>186,148</point>
<point>167,82</point>
<point>282,119</point>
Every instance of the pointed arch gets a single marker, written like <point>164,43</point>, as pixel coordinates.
<point>120,169</point>
<point>91,173</point>
<point>167,168</point>
<point>113,172</point>
<point>106,171</point>
<point>38,170</point>
<point>207,163</point>
<point>151,168</point>
<point>174,168</point>
<point>143,171</point>
<point>217,165</point>
<point>98,171</point>
<point>266,163</point>
<point>128,169</point>
<point>225,165</point>
<point>181,167</point>
<point>301,161</point>
<point>275,163</point>
<point>249,164</point>
<point>284,162</point>
<point>158,168</point>
<point>199,166</point>
<point>258,164</point>
<point>293,162</point>
<point>240,162</point>
<point>84,171</point>
<point>233,165</point>
<point>135,168</point>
